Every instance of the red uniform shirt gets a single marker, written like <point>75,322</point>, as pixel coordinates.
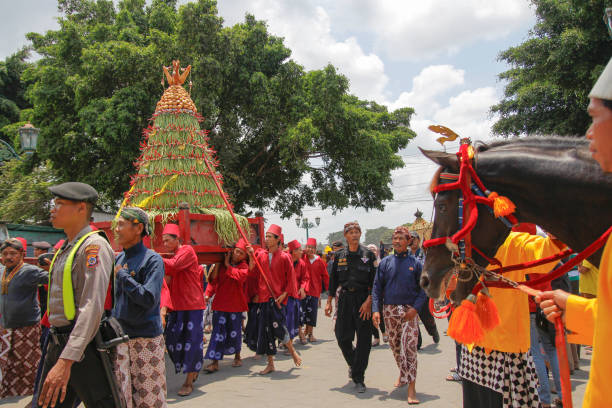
<point>166,300</point>
<point>317,273</point>
<point>301,278</point>
<point>279,273</point>
<point>229,288</point>
<point>186,290</point>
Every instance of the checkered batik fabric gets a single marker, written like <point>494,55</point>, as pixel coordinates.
<point>141,372</point>
<point>511,374</point>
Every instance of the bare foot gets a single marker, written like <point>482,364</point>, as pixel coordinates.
<point>312,338</point>
<point>412,399</point>
<point>297,360</point>
<point>185,390</point>
<point>237,363</point>
<point>211,368</point>
<point>399,383</point>
<point>269,369</point>
<point>257,356</point>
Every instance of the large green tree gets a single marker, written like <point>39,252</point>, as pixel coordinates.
<point>553,71</point>
<point>285,137</point>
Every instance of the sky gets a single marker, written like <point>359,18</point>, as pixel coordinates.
<point>437,56</point>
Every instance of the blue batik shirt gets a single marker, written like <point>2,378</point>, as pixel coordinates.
<point>138,291</point>
<point>397,282</point>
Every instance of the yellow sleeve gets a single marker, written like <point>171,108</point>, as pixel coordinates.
<point>580,315</point>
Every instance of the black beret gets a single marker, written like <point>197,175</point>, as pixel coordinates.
<point>41,245</point>
<point>75,191</point>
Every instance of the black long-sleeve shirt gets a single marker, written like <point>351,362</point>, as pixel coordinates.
<point>352,270</point>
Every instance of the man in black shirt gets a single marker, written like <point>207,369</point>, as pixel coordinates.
<point>353,271</point>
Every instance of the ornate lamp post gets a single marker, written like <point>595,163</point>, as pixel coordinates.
<point>305,224</point>
<point>28,136</point>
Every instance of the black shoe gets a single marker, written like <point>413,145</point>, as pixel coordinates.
<point>436,337</point>
<point>361,388</point>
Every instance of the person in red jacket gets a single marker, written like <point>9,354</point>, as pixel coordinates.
<point>184,329</point>
<point>317,274</point>
<point>271,298</point>
<point>297,290</point>
<point>229,303</point>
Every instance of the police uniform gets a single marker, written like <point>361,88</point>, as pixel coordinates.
<point>74,324</point>
<point>354,273</point>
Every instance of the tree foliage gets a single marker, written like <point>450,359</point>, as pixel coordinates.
<point>24,194</point>
<point>285,137</point>
<point>12,94</point>
<point>553,71</point>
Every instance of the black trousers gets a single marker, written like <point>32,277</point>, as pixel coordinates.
<point>477,396</point>
<point>87,378</point>
<point>349,324</point>
<point>428,321</point>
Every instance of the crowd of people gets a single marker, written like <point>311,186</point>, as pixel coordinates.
<point>111,318</point>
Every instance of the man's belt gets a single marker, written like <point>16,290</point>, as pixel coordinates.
<point>59,335</point>
<point>354,289</point>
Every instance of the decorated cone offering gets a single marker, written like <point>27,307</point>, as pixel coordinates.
<point>172,166</point>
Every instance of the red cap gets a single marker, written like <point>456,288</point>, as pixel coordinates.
<point>311,242</point>
<point>24,243</point>
<point>293,245</point>
<point>171,229</point>
<point>275,229</point>
<point>58,245</point>
<point>241,244</point>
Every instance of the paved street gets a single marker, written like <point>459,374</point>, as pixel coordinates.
<point>323,379</point>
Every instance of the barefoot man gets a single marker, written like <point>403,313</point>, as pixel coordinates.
<point>398,295</point>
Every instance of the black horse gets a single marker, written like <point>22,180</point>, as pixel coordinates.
<point>554,183</point>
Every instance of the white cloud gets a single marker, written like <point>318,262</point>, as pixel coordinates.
<point>416,30</point>
<point>307,32</point>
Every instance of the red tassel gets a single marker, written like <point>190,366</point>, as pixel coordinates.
<point>487,313</point>
<point>502,206</point>
<point>464,325</point>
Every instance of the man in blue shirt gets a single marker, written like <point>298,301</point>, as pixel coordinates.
<point>398,295</point>
<point>139,274</point>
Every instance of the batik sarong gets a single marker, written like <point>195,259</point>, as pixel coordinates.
<point>226,336</point>
<point>19,356</point>
<point>185,340</point>
<point>293,316</point>
<point>511,374</point>
<point>270,327</point>
<point>141,372</point>
<point>403,338</point>
<point>310,306</point>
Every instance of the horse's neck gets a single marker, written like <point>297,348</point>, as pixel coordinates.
<point>562,191</point>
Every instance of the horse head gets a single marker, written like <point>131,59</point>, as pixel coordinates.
<point>488,234</point>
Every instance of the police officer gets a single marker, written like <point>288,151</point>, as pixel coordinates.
<point>353,270</point>
<point>79,276</point>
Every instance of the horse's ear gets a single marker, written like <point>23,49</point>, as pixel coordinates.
<point>446,160</point>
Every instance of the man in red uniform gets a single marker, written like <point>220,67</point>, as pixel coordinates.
<point>228,280</point>
<point>184,331</point>
<point>272,291</point>
<point>317,274</point>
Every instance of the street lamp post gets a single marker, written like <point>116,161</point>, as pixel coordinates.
<point>307,225</point>
<point>28,136</point>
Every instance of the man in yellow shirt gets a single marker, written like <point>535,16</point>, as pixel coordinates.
<point>581,314</point>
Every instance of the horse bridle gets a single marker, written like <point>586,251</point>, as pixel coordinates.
<point>471,193</point>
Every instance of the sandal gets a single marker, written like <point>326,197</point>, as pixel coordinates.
<point>237,363</point>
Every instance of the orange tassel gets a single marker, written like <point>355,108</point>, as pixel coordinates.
<point>502,206</point>
<point>464,325</point>
<point>487,313</point>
